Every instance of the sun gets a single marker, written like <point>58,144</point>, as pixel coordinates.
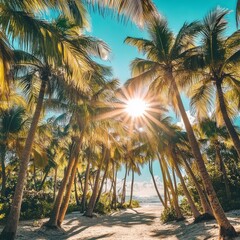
<point>136,107</point>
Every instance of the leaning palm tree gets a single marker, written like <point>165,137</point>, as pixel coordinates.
<point>218,70</point>
<point>164,69</point>
<point>69,53</point>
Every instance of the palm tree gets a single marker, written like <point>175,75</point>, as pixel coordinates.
<point>165,55</point>
<point>69,51</point>
<point>218,59</point>
<point>12,121</point>
<point>214,136</point>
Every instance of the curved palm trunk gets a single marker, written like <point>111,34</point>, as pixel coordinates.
<point>205,205</point>
<point>91,205</point>
<point>155,184</point>
<point>124,186</point>
<point>231,130</point>
<point>194,210</point>
<point>175,182</point>
<point>55,183</point>
<point>10,229</point>
<point>103,180</point>
<point>44,179</point>
<point>174,197</point>
<point>64,205</point>
<point>76,191</point>
<point>226,229</point>
<point>222,169</point>
<point>132,185</point>
<point>85,190</point>
<point>52,223</point>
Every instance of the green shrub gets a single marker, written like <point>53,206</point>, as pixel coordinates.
<point>103,206</point>
<point>168,215</point>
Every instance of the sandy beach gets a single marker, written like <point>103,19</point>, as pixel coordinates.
<point>140,223</point>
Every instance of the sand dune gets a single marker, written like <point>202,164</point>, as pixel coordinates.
<point>140,223</point>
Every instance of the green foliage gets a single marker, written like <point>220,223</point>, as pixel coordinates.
<point>35,205</point>
<point>168,215</point>
<point>104,205</point>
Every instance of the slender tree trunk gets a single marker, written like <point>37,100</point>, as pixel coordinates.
<point>65,202</point>
<point>194,210</point>
<point>155,184</point>
<point>80,180</point>
<point>204,202</point>
<point>175,200</point>
<point>10,229</point>
<point>175,182</point>
<point>132,185</point>
<point>222,169</point>
<point>55,183</point>
<point>4,177</point>
<point>103,178</point>
<point>52,223</point>
<point>85,189</point>
<point>91,205</point>
<point>44,179</point>
<point>114,199</point>
<point>226,229</point>
<point>123,198</point>
<point>231,130</point>
<point>76,191</point>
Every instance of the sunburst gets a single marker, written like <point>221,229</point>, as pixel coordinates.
<point>136,108</point>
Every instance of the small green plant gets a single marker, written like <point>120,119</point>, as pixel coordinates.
<point>168,215</point>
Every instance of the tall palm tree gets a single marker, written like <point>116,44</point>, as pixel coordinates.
<point>68,52</point>
<point>12,121</point>
<point>217,66</point>
<point>165,54</point>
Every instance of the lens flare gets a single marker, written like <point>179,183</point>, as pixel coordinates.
<point>136,107</point>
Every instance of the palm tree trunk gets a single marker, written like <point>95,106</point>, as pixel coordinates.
<point>132,185</point>
<point>222,169</point>
<point>76,191</point>
<point>44,179</point>
<point>4,177</point>
<point>91,205</point>
<point>205,205</point>
<point>175,200</point>
<point>85,190</point>
<point>64,205</point>
<point>10,229</point>
<point>194,210</point>
<point>114,199</point>
<point>226,229</point>
<point>231,130</point>
<point>52,223</point>
<point>55,183</point>
<point>124,186</point>
<point>155,184</point>
<point>175,182</point>
<point>103,178</point>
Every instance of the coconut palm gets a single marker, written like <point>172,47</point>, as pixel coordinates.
<point>69,53</point>
<point>12,121</point>
<point>218,59</point>
<point>165,54</point>
<point>213,136</point>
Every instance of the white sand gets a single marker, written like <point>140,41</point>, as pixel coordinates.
<point>140,223</point>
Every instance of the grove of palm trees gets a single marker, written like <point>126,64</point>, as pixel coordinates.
<point>75,138</point>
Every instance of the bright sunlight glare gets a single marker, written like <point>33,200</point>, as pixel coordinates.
<point>136,107</point>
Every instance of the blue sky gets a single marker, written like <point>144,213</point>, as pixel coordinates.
<point>177,12</point>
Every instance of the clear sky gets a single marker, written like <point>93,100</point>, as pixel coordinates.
<point>176,11</point>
